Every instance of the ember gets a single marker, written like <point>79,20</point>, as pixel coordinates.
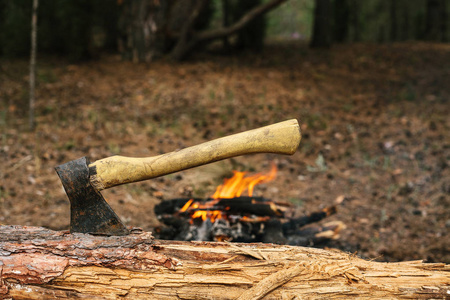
<point>230,216</point>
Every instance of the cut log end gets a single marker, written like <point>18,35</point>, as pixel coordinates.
<point>37,263</point>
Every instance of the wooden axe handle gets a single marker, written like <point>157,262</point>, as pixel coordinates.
<point>283,138</point>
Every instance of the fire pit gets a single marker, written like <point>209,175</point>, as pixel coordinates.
<point>229,216</point>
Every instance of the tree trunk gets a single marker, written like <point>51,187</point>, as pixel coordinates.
<point>406,24</point>
<point>322,27</point>
<point>187,40</point>
<point>355,20</point>
<point>444,18</point>
<point>393,23</point>
<point>33,65</point>
<point>226,23</point>
<point>143,29</point>
<point>435,20</point>
<point>36,263</point>
<point>252,35</point>
<point>341,20</point>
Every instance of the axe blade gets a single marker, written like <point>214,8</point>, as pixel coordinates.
<point>89,212</point>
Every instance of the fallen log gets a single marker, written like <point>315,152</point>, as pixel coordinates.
<point>37,263</point>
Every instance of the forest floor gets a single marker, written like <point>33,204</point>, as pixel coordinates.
<point>374,118</point>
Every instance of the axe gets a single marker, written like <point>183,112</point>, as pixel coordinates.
<point>83,181</point>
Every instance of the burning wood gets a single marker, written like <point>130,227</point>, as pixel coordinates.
<point>230,216</point>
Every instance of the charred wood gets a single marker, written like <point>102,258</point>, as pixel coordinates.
<point>243,219</point>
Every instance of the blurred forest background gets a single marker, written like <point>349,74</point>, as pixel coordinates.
<point>367,80</point>
<point>83,29</point>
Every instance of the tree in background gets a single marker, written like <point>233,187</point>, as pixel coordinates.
<point>78,32</point>
<point>75,29</point>
<point>33,64</point>
<point>321,36</point>
<point>394,24</point>
<point>175,28</point>
<point>380,21</point>
<point>252,35</point>
<point>15,28</point>
<point>436,20</point>
<point>145,29</point>
<point>341,12</point>
<point>355,20</point>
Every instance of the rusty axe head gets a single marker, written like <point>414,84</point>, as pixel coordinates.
<point>89,212</point>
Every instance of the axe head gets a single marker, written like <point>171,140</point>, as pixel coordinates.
<point>89,212</point>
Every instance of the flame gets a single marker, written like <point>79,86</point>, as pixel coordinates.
<point>186,205</point>
<point>232,187</point>
<point>236,185</point>
<point>212,215</point>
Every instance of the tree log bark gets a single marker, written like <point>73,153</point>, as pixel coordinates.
<point>37,263</point>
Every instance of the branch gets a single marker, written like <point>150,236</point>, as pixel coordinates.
<point>185,45</point>
<point>244,20</point>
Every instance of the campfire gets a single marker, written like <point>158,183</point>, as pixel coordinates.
<point>232,213</point>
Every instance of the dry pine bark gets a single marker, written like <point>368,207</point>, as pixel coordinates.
<point>36,263</point>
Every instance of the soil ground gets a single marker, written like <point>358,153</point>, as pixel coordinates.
<point>375,123</point>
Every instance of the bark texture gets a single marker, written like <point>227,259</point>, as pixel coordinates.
<point>36,263</point>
